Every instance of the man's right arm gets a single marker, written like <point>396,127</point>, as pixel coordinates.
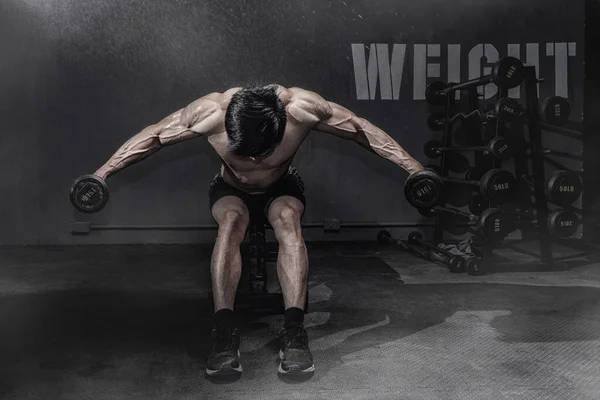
<point>203,117</point>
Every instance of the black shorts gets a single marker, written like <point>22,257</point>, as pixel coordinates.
<point>258,204</point>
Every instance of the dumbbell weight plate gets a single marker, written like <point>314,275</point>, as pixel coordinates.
<point>555,110</point>
<point>477,204</point>
<point>384,237</point>
<point>424,189</point>
<point>507,110</point>
<point>563,188</point>
<point>497,185</point>
<point>435,121</point>
<point>431,149</point>
<point>500,149</point>
<point>473,267</point>
<point>457,265</point>
<point>432,94</point>
<point>563,223</point>
<point>493,224</point>
<point>89,194</point>
<point>414,236</point>
<point>508,73</point>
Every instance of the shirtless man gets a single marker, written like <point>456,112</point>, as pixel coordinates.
<point>256,132</point>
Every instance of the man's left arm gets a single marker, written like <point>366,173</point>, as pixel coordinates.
<point>339,121</point>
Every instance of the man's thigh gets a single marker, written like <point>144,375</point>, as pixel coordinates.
<point>224,198</point>
<point>289,192</point>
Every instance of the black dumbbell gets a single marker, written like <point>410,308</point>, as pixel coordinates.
<point>477,204</point>
<point>498,147</point>
<point>496,185</point>
<point>491,224</point>
<point>562,187</point>
<point>473,266</point>
<point>89,194</point>
<point>424,188</point>
<point>563,223</point>
<point>554,113</point>
<point>454,194</point>
<point>507,73</point>
<point>455,263</point>
<point>560,223</point>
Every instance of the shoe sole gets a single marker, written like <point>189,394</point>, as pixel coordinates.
<point>225,371</point>
<point>294,369</point>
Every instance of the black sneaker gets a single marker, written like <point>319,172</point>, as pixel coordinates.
<point>224,360</point>
<point>296,358</point>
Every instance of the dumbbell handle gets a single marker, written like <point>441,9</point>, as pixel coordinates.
<point>467,148</point>
<point>484,80</point>
<point>455,211</point>
<point>461,181</point>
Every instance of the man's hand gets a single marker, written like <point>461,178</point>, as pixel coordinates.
<point>334,119</point>
<point>203,117</point>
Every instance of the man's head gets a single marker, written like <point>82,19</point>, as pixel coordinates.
<point>255,121</point>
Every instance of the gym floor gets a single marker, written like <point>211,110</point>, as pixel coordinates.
<point>132,322</point>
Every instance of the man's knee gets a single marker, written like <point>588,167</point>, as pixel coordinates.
<point>232,219</point>
<point>284,217</point>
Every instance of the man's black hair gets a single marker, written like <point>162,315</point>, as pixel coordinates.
<point>255,121</point>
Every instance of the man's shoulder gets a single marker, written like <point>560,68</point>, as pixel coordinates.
<point>306,102</point>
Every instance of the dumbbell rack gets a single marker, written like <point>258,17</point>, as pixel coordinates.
<point>482,162</point>
<point>523,206</point>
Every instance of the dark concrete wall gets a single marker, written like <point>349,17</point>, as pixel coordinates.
<point>80,78</point>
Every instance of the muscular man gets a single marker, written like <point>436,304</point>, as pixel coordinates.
<point>256,132</point>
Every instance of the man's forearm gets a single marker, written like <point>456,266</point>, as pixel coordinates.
<point>384,145</point>
<point>135,149</point>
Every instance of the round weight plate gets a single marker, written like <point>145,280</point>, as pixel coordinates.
<point>473,267</point>
<point>383,237</point>
<point>431,149</point>
<point>414,236</point>
<point>433,95</point>
<point>497,185</point>
<point>507,110</point>
<point>478,204</point>
<point>457,265</point>
<point>436,122</point>
<point>563,188</point>
<point>563,223</point>
<point>89,194</point>
<point>493,224</point>
<point>500,148</point>
<point>424,189</point>
<point>508,72</point>
<point>555,110</point>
